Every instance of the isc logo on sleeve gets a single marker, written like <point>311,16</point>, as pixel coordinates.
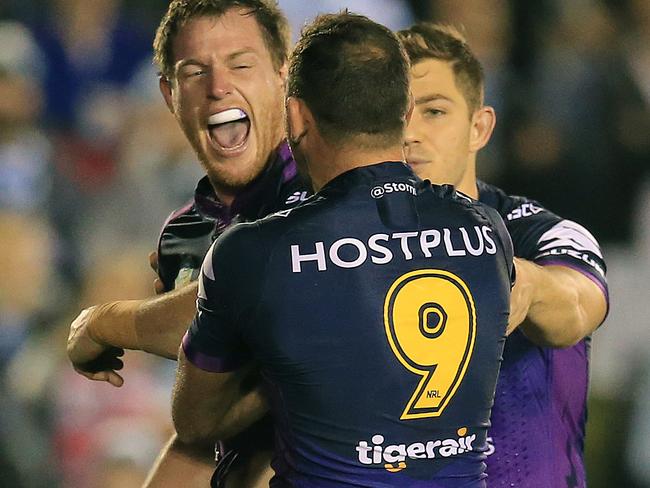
<point>525,210</point>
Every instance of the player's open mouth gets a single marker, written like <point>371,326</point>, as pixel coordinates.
<point>229,129</point>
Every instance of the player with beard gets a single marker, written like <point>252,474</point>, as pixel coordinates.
<point>223,70</point>
<point>560,296</point>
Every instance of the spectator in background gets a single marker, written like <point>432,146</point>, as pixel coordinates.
<point>488,27</point>
<point>395,14</point>
<point>103,440</point>
<point>92,52</point>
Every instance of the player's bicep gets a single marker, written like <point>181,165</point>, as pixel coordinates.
<point>592,297</point>
<point>199,400</point>
<point>213,342</point>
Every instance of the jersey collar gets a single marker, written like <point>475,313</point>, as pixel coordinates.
<point>369,174</point>
<point>252,200</point>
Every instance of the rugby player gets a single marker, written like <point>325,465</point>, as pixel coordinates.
<point>158,325</point>
<point>223,70</point>
<point>376,311</point>
<point>560,296</point>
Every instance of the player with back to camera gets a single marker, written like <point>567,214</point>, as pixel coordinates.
<point>376,311</point>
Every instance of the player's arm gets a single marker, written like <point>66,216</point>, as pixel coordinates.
<point>555,305</point>
<point>207,406</point>
<point>154,325</point>
<point>217,392</point>
<point>180,464</point>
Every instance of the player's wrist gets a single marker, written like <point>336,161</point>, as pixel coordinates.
<point>525,284</point>
<point>113,324</point>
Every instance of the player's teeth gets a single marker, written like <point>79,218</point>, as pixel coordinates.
<point>226,116</point>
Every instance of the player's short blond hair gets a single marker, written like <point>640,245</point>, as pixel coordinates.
<point>427,40</point>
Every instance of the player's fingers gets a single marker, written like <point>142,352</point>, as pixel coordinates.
<point>153,260</point>
<point>116,351</point>
<point>98,376</point>
<point>158,286</point>
<point>107,360</point>
<point>115,379</point>
<point>108,376</point>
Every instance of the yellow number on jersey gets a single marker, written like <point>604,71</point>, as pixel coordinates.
<point>430,322</point>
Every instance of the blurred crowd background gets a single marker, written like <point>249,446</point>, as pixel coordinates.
<point>91,163</point>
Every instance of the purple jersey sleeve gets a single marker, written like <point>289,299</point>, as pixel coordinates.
<point>543,237</point>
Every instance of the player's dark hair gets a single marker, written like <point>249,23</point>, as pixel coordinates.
<point>353,74</point>
<point>272,22</point>
<point>427,40</point>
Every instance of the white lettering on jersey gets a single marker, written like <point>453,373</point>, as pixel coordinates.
<point>455,242</point>
<point>298,196</point>
<point>318,256</point>
<point>524,210</point>
<point>387,255</point>
<point>380,190</point>
<point>567,238</point>
<point>336,259</point>
<point>376,453</point>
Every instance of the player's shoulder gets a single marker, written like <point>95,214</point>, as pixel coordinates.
<point>512,207</point>
<point>185,213</point>
<point>279,222</point>
<point>462,203</point>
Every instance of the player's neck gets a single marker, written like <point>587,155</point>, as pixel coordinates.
<point>468,184</point>
<point>332,162</point>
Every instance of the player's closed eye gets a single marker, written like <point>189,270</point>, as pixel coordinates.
<point>192,73</point>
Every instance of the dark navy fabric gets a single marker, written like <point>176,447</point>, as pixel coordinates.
<point>357,305</point>
<point>189,231</point>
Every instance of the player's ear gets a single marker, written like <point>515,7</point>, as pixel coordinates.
<point>284,72</point>
<point>298,119</point>
<point>166,90</point>
<point>483,122</point>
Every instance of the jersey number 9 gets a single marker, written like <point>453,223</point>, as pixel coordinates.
<point>430,322</point>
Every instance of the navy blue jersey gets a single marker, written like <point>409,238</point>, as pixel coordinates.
<point>376,312</point>
<point>540,408</point>
<point>189,231</point>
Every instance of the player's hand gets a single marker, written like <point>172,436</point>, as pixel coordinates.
<point>522,294</point>
<point>90,358</point>
<point>158,285</point>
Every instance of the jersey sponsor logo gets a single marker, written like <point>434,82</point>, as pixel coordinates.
<point>350,252</point>
<point>490,446</point>
<point>380,190</point>
<point>524,210</point>
<point>567,238</point>
<point>570,234</point>
<point>394,457</point>
<point>298,196</point>
<point>584,257</point>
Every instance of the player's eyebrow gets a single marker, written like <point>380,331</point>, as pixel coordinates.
<point>431,98</point>
<point>187,62</point>
<point>241,52</point>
